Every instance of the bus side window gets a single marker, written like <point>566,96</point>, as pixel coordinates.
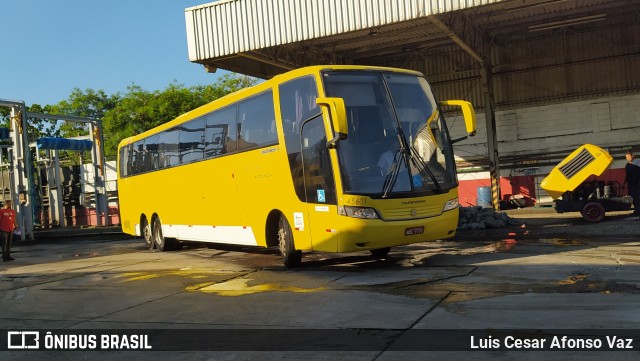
<point>169,142</point>
<point>126,154</point>
<point>191,141</point>
<point>220,132</point>
<point>151,153</point>
<point>138,150</point>
<point>256,120</point>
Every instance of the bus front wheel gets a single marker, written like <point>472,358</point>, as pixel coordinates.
<point>291,256</point>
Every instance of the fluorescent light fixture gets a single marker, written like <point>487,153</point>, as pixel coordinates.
<point>568,22</point>
<point>526,6</point>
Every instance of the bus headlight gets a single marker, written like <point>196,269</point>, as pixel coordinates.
<point>451,204</point>
<point>358,212</point>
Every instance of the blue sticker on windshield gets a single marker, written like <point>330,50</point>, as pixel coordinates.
<point>321,196</point>
<point>417,181</point>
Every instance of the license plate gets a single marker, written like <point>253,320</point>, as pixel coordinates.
<point>413,231</point>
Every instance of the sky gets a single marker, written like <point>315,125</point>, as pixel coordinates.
<point>50,47</point>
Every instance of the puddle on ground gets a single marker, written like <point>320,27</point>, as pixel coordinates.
<point>509,244</point>
<point>241,287</point>
<point>563,242</point>
<point>571,280</point>
<point>577,283</point>
<point>505,245</point>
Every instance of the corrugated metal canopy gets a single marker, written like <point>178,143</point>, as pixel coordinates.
<point>229,27</point>
<point>265,37</point>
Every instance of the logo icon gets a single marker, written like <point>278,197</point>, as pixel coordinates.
<point>414,212</point>
<point>23,340</point>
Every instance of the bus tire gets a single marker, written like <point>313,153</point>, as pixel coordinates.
<point>162,244</point>
<point>146,233</point>
<point>290,256</point>
<point>380,253</point>
<point>593,212</point>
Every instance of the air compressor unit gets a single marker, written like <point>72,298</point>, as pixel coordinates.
<point>567,184</point>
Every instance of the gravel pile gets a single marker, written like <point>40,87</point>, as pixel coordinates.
<point>480,218</point>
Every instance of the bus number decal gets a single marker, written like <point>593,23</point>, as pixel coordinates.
<point>269,150</point>
<point>356,201</point>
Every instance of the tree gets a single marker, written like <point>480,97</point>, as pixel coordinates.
<point>125,115</point>
<point>87,104</point>
<point>140,110</point>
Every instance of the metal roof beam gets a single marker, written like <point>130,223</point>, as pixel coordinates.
<point>11,103</point>
<point>401,48</point>
<point>268,60</point>
<point>468,44</point>
<point>373,47</point>
<point>60,117</point>
<point>367,36</point>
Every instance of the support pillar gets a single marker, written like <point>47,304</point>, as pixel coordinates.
<point>102,207</point>
<point>59,204</point>
<point>492,139</point>
<point>477,47</point>
<point>22,172</point>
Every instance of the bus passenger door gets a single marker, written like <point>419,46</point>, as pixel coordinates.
<point>319,186</point>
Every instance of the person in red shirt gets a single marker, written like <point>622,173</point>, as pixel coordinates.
<point>7,225</point>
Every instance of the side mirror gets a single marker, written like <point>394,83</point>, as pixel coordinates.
<point>338,115</point>
<point>467,112</point>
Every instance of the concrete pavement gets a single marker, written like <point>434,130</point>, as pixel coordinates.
<point>557,272</point>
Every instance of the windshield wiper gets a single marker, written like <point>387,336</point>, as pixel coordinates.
<point>420,164</point>
<point>390,181</point>
<point>407,155</point>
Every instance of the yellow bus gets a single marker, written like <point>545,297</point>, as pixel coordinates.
<point>322,158</point>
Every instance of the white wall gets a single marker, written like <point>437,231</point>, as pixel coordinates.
<point>87,171</point>
<point>605,122</point>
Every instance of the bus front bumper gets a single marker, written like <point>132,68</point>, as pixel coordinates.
<point>365,234</point>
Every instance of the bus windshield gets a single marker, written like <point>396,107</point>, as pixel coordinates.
<point>398,143</point>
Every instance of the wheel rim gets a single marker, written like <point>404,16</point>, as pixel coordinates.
<point>146,232</point>
<point>158,234</point>
<point>593,212</point>
<point>290,255</point>
<point>282,239</point>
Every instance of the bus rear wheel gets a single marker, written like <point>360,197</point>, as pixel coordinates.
<point>291,257</point>
<point>161,243</point>
<point>146,233</point>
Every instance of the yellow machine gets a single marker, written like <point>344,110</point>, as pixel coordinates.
<point>566,184</point>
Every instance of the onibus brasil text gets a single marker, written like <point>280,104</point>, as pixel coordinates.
<point>82,341</point>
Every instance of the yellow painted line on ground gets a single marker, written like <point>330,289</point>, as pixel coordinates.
<point>192,273</point>
<point>240,287</point>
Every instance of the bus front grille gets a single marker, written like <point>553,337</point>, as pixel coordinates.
<point>399,214</point>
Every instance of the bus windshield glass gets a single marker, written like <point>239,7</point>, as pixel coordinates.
<point>398,143</point>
